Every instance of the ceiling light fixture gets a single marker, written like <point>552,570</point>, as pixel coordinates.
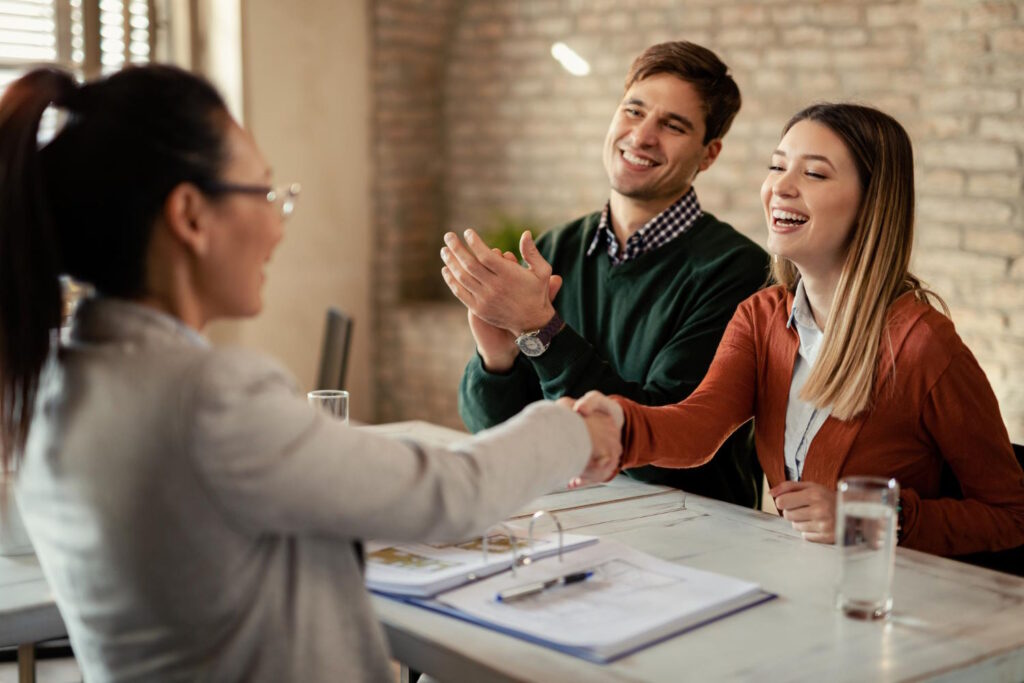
<point>569,60</point>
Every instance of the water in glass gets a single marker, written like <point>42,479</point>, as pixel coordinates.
<point>866,535</point>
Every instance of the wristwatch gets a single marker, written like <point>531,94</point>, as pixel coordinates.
<point>536,342</point>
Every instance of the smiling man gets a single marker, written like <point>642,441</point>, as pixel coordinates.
<point>630,300</point>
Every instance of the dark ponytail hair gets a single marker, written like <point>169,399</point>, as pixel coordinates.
<point>85,204</point>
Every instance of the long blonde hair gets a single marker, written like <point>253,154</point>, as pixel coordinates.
<point>876,268</point>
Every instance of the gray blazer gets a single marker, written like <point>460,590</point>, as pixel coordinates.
<point>195,518</point>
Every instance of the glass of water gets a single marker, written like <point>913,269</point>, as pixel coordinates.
<point>866,513</point>
<point>331,401</point>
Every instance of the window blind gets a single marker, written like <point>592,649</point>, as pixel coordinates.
<point>34,32</point>
<point>28,36</point>
<point>124,33</point>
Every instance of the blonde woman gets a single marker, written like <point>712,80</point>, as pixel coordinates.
<point>844,364</point>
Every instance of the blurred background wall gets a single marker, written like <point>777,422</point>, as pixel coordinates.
<point>474,123</point>
<point>307,100</point>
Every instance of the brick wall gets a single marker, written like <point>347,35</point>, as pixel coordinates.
<point>970,206</point>
<point>511,132</point>
<point>410,39</point>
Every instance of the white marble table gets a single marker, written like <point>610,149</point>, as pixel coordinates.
<point>950,622</point>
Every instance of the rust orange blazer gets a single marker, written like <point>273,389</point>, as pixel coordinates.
<point>934,406</point>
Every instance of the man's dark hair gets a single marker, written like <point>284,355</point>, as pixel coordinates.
<point>701,68</point>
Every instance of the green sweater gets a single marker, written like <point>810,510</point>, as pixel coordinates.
<point>646,329</point>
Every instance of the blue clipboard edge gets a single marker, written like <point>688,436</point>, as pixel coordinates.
<point>581,652</point>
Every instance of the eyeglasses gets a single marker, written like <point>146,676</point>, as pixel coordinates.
<point>283,198</point>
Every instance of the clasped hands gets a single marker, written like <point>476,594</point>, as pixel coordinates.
<point>503,298</point>
<point>604,419</point>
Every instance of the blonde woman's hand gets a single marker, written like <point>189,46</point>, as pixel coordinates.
<point>811,508</point>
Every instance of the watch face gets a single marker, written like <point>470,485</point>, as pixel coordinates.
<point>530,344</point>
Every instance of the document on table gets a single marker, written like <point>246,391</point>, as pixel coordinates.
<point>630,601</point>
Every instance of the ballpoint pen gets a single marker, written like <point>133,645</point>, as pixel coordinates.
<point>519,592</point>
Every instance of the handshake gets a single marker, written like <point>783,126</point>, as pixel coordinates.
<point>604,419</point>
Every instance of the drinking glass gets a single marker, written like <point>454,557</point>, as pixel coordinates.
<point>866,514</point>
<point>331,401</point>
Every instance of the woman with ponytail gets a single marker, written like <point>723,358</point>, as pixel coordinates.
<point>844,364</point>
<point>195,519</point>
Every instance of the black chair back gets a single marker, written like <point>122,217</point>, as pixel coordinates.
<point>334,351</point>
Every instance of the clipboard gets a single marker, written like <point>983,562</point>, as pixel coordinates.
<point>629,600</point>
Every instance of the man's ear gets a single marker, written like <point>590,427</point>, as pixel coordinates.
<point>187,215</point>
<point>711,152</point>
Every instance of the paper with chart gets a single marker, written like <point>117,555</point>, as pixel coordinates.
<point>631,599</point>
<point>423,569</point>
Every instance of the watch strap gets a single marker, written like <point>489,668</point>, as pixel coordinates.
<point>536,342</point>
<point>548,332</point>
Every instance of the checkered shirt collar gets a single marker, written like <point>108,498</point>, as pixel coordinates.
<point>657,232</point>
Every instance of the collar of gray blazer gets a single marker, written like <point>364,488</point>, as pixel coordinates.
<point>107,320</point>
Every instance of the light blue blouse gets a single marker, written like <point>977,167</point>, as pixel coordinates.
<point>803,420</point>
